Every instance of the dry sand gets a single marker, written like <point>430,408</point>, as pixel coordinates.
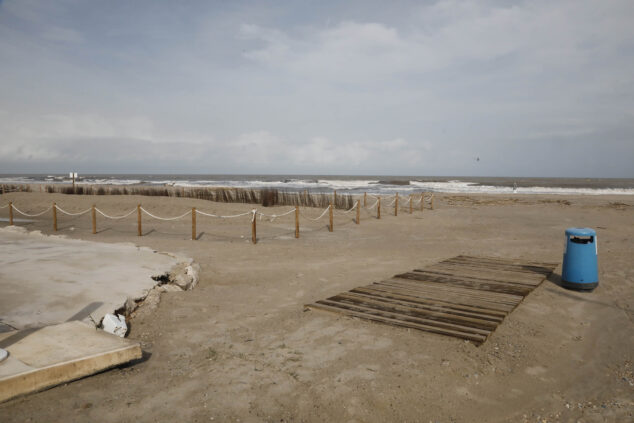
<point>240,346</point>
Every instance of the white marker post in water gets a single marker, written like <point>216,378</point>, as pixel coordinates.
<point>74,176</point>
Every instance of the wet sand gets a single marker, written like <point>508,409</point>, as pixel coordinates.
<point>241,347</point>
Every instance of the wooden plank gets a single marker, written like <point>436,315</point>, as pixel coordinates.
<point>435,289</point>
<point>511,267</point>
<point>422,308</point>
<point>490,267</point>
<point>444,305</point>
<point>477,285</point>
<point>403,316</point>
<point>533,263</point>
<point>448,297</point>
<point>446,285</point>
<point>464,296</point>
<point>396,322</point>
<point>411,309</point>
<point>496,297</point>
<point>480,278</point>
<point>514,261</point>
<point>487,272</point>
<point>447,275</point>
<point>430,308</point>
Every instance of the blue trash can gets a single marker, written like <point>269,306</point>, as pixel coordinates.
<point>580,270</point>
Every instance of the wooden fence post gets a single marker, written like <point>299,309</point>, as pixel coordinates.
<point>410,204</point>
<point>432,201</point>
<point>358,211</point>
<point>365,199</point>
<point>296,221</point>
<point>335,199</point>
<point>396,205</point>
<point>138,220</point>
<point>10,213</point>
<point>331,220</point>
<point>253,227</point>
<point>54,217</point>
<point>378,209</point>
<point>422,201</point>
<point>193,223</point>
<point>94,220</point>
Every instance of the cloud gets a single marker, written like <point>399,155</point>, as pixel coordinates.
<point>88,140</point>
<point>540,35</point>
<point>243,87</point>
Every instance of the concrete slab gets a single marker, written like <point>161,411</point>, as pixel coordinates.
<point>45,357</point>
<point>48,280</point>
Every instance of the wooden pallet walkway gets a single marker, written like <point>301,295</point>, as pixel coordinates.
<point>466,297</point>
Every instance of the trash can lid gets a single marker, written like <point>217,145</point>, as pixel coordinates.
<point>581,232</point>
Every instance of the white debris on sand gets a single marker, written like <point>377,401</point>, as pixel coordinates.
<point>115,325</point>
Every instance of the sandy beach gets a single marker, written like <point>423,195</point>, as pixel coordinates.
<point>242,347</point>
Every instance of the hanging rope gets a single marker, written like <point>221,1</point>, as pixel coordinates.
<point>71,214</point>
<point>373,205</point>
<point>314,220</point>
<point>274,216</point>
<point>222,217</point>
<point>31,215</point>
<point>115,217</point>
<point>348,211</point>
<point>166,218</point>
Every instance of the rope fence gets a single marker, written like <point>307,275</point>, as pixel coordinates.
<point>330,210</point>
<point>123,216</point>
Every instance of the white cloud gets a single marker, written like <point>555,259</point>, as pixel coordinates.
<point>27,128</point>
<point>448,32</point>
<point>311,89</point>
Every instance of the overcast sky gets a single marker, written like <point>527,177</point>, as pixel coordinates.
<point>534,88</point>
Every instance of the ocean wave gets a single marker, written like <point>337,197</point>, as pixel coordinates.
<point>387,186</point>
<point>461,187</point>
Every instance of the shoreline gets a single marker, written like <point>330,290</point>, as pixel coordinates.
<point>327,183</point>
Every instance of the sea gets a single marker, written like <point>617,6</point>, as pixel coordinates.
<point>350,184</point>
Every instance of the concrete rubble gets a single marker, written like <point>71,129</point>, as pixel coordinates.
<point>52,279</point>
<point>56,291</point>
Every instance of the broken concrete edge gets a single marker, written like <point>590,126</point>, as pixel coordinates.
<point>47,377</point>
<point>183,276</point>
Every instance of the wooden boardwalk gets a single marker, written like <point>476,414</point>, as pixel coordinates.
<point>465,297</point>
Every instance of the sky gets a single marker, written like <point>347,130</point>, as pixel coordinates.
<point>487,88</point>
